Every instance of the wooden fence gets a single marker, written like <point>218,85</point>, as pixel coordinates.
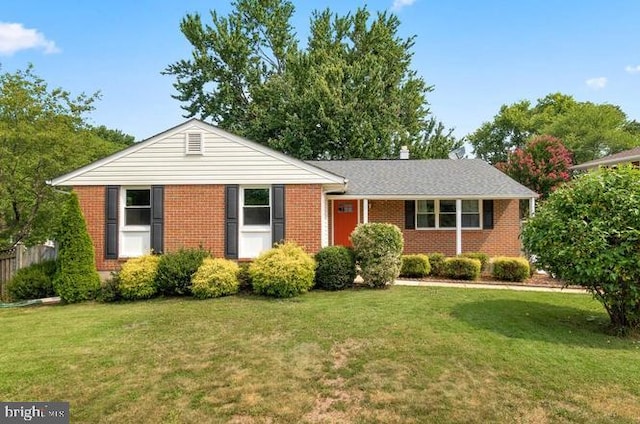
<point>21,256</point>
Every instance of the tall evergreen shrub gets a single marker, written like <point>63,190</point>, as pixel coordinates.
<point>76,278</point>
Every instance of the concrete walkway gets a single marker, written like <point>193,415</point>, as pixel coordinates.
<point>470,285</point>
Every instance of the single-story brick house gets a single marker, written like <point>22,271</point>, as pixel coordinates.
<point>197,185</point>
<point>631,156</point>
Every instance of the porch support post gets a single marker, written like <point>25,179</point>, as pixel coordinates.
<point>365,211</point>
<point>458,226</point>
<point>532,206</point>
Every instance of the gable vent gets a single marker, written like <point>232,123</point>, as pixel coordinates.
<point>195,144</point>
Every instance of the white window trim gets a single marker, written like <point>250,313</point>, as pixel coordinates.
<point>123,207</point>
<point>255,228</point>
<point>436,208</point>
<point>187,150</point>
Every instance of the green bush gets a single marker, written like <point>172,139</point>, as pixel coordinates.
<point>586,233</point>
<point>215,278</point>
<point>511,269</point>
<point>76,277</point>
<point>136,279</point>
<point>284,271</point>
<point>336,268</point>
<point>436,260</point>
<point>459,268</point>
<point>109,291</point>
<point>244,279</point>
<point>176,269</point>
<point>33,282</point>
<point>415,266</point>
<point>482,257</point>
<point>378,249</point>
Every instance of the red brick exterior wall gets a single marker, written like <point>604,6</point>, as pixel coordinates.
<point>92,202</point>
<point>194,216</point>
<point>303,215</point>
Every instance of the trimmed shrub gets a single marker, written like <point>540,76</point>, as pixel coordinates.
<point>482,257</point>
<point>215,278</point>
<point>109,291</point>
<point>244,279</point>
<point>511,269</point>
<point>284,271</point>
<point>459,268</point>
<point>415,266</point>
<point>378,249</point>
<point>175,270</point>
<point>436,260</point>
<point>136,279</point>
<point>336,268</point>
<point>76,277</point>
<point>33,282</point>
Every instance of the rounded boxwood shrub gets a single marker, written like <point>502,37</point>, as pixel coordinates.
<point>415,266</point>
<point>215,278</point>
<point>176,269</point>
<point>136,279</point>
<point>33,282</point>
<point>482,257</point>
<point>336,268</point>
<point>436,260</point>
<point>459,268</point>
<point>511,269</point>
<point>378,248</point>
<point>284,271</point>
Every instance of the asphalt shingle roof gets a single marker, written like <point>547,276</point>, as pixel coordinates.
<point>621,157</point>
<point>435,177</point>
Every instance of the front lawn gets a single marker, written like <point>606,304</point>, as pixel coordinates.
<point>408,354</point>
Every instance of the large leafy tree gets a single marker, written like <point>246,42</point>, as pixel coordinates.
<point>587,233</point>
<point>42,135</point>
<point>589,130</point>
<point>349,93</point>
<point>542,164</point>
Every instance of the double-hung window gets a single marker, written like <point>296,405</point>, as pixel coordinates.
<point>256,208</point>
<point>426,214</point>
<point>470,214</point>
<point>137,209</point>
<point>442,214</point>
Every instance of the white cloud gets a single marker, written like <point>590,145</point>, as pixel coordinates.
<point>15,37</point>
<point>399,4</point>
<point>597,83</point>
<point>633,69</point>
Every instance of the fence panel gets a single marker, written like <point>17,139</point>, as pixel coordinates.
<point>19,256</point>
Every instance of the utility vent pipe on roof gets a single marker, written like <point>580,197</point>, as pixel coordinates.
<point>404,152</point>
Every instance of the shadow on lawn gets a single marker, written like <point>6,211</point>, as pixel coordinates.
<point>540,321</point>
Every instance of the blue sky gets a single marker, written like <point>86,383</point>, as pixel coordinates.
<point>478,54</point>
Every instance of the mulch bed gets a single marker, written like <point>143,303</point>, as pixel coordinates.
<point>542,280</point>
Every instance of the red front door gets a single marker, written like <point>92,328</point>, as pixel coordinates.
<point>345,219</point>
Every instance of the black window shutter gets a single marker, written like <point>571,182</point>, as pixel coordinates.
<point>410,214</point>
<point>231,222</point>
<point>487,214</point>
<point>277,214</point>
<point>157,219</point>
<point>111,222</point>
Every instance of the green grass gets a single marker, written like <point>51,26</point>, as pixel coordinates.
<point>408,354</point>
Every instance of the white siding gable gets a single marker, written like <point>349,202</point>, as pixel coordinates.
<point>223,158</point>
